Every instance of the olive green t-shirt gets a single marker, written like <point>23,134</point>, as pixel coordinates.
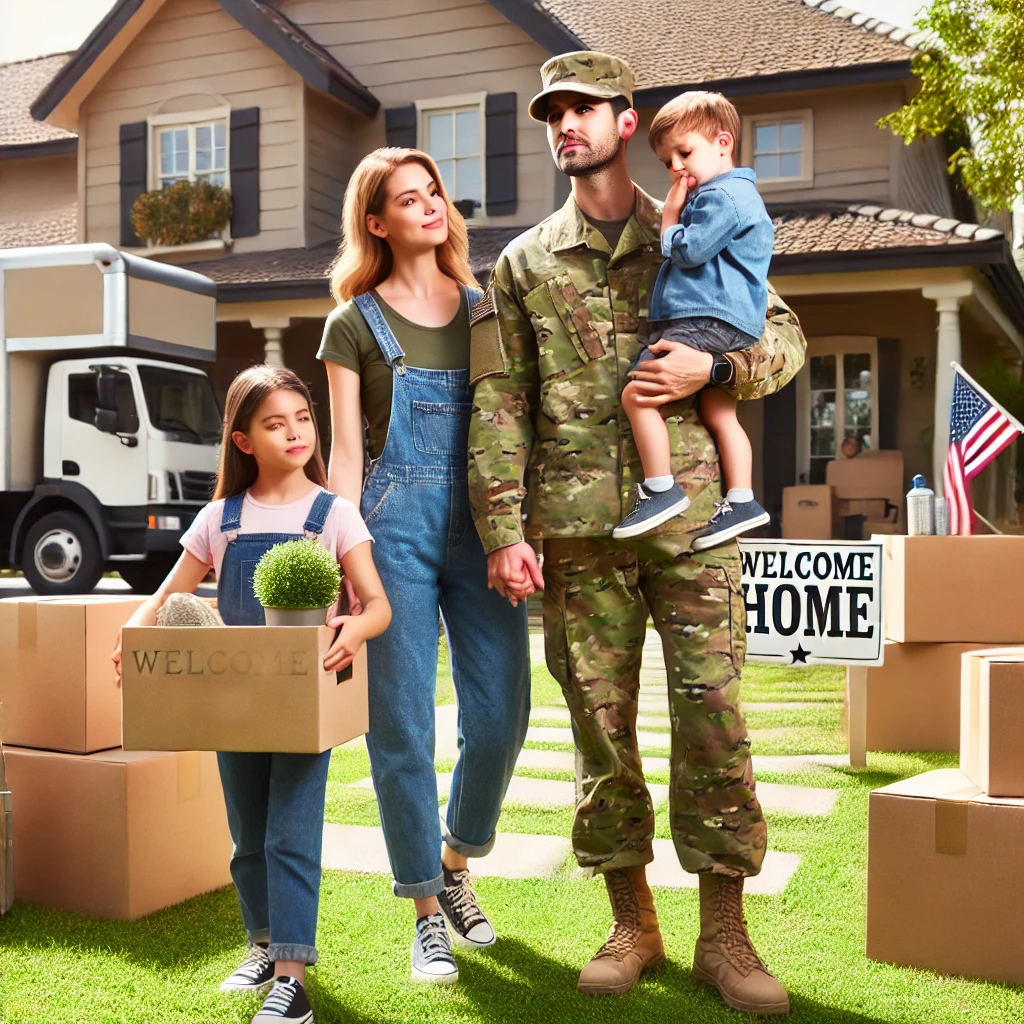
<point>349,342</point>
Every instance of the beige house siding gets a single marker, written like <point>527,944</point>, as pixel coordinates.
<point>332,151</point>
<point>853,158</point>
<point>193,55</point>
<point>38,191</point>
<point>408,50</point>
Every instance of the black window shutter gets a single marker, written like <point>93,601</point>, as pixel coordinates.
<point>779,448</point>
<point>501,153</point>
<point>245,172</point>
<point>133,176</point>
<point>400,126</point>
<point>888,392</point>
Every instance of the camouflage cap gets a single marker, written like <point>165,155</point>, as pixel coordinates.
<point>587,72</point>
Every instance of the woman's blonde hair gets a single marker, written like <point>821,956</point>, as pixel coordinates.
<point>364,259</point>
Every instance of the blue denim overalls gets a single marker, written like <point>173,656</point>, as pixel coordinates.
<point>430,558</point>
<point>275,802</point>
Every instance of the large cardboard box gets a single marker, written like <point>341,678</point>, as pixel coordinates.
<point>912,701</point>
<point>992,720</point>
<point>255,688</point>
<point>945,889</point>
<point>57,681</point>
<point>117,834</point>
<point>807,512</point>
<point>954,589</point>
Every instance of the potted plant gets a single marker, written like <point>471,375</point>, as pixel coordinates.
<point>296,582</point>
<point>188,211</point>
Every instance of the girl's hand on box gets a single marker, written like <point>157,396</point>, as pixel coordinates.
<point>347,644</point>
<point>116,659</point>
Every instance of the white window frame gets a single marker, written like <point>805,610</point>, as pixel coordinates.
<point>191,119</point>
<point>837,345</point>
<point>750,123</point>
<point>461,101</point>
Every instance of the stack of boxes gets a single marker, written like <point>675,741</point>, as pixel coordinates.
<point>944,597</point>
<point>945,849</point>
<point>97,829</point>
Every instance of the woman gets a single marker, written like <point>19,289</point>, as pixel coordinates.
<point>397,356</point>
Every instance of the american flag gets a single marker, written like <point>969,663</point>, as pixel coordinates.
<point>979,429</point>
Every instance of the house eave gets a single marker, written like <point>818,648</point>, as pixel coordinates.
<point>540,25</point>
<point>37,150</point>
<point>267,291</point>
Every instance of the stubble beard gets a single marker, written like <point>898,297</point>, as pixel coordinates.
<point>590,161</point>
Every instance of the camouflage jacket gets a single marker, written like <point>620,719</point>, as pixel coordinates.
<point>547,417</point>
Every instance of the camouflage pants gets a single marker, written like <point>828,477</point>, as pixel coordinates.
<point>597,593</point>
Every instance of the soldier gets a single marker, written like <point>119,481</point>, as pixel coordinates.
<point>553,343</point>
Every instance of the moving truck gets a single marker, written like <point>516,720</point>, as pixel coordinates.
<point>108,437</point>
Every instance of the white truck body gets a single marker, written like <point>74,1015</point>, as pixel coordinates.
<point>108,445</point>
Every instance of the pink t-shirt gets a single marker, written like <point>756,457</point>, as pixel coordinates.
<point>343,529</point>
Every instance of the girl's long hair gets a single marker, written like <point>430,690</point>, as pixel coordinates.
<point>363,259</point>
<point>238,471</point>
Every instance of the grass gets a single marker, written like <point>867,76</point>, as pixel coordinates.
<point>61,968</point>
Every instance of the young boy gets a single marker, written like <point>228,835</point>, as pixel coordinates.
<point>711,295</point>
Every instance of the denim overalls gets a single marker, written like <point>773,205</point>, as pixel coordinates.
<point>275,802</point>
<point>416,503</point>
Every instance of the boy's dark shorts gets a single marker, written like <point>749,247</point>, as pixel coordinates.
<point>704,333</point>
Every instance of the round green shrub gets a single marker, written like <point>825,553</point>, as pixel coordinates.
<point>297,574</point>
<point>188,211</point>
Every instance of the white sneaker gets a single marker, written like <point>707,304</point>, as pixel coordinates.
<point>253,973</point>
<point>432,959</point>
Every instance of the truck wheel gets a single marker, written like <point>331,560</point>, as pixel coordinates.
<point>145,577</point>
<point>62,555</point>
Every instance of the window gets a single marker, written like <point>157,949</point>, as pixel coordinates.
<point>453,135</point>
<point>779,147</point>
<point>190,152</point>
<point>839,399</point>
<point>82,399</point>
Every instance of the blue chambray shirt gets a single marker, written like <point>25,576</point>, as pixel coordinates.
<point>717,256</point>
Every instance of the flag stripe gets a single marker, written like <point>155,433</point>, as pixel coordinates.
<point>997,445</point>
<point>978,435</point>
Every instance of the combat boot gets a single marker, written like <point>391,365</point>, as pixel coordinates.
<point>634,944</point>
<point>725,957</point>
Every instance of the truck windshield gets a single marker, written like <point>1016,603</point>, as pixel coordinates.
<point>182,404</point>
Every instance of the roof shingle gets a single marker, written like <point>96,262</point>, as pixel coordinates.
<point>20,84</point>
<point>59,227</point>
<point>676,43</point>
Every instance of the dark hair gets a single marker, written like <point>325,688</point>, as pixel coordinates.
<point>619,105</point>
<point>238,471</point>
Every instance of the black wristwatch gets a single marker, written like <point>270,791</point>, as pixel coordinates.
<point>722,370</point>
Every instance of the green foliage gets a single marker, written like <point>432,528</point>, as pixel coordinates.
<point>1004,385</point>
<point>297,574</point>
<point>190,211</point>
<point>972,77</point>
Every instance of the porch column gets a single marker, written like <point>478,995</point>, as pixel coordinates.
<point>273,328</point>
<point>947,300</point>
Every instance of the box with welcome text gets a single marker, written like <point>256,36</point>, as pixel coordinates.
<point>243,688</point>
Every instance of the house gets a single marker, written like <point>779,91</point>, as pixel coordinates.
<point>876,251</point>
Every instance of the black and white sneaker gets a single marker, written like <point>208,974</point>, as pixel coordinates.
<point>287,1002</point>
<point>432,959</point>
<point>652,508</point>
<point>730,521</point>
<point>463,913</point>
<point>253,973</point>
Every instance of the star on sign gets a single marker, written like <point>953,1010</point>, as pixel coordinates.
<point>799,655</point>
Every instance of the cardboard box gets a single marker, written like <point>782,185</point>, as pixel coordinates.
<point>807,512</point>
<point>117,834</point>
<point>57,682</point>
<point>992,720</point>
<point>945,889</point>
<point>255,688</point>
<point>954,589</point>
<point>912,701</point>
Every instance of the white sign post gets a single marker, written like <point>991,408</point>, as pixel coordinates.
<point>818,603</point>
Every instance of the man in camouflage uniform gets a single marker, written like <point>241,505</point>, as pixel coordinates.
<point>553,343</point>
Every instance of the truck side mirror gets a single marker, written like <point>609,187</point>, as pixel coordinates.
<point>105,420</point>
<point>110,417</point>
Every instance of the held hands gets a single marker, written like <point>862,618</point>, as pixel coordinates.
<point>514,572</point>
<point>347,644</point>
<point>676,199</point>
<point>681,372</point>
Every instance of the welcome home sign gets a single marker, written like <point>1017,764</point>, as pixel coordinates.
<point>813,603</point>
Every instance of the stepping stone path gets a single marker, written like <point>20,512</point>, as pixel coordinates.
<point>360,848</point>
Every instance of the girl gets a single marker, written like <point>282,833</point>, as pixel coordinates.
<point>397,354</point>
<point>271,488</point>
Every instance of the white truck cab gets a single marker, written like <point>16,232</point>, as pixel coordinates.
<point>107,451</point>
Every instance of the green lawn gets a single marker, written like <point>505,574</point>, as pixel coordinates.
<point>59,968</point>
